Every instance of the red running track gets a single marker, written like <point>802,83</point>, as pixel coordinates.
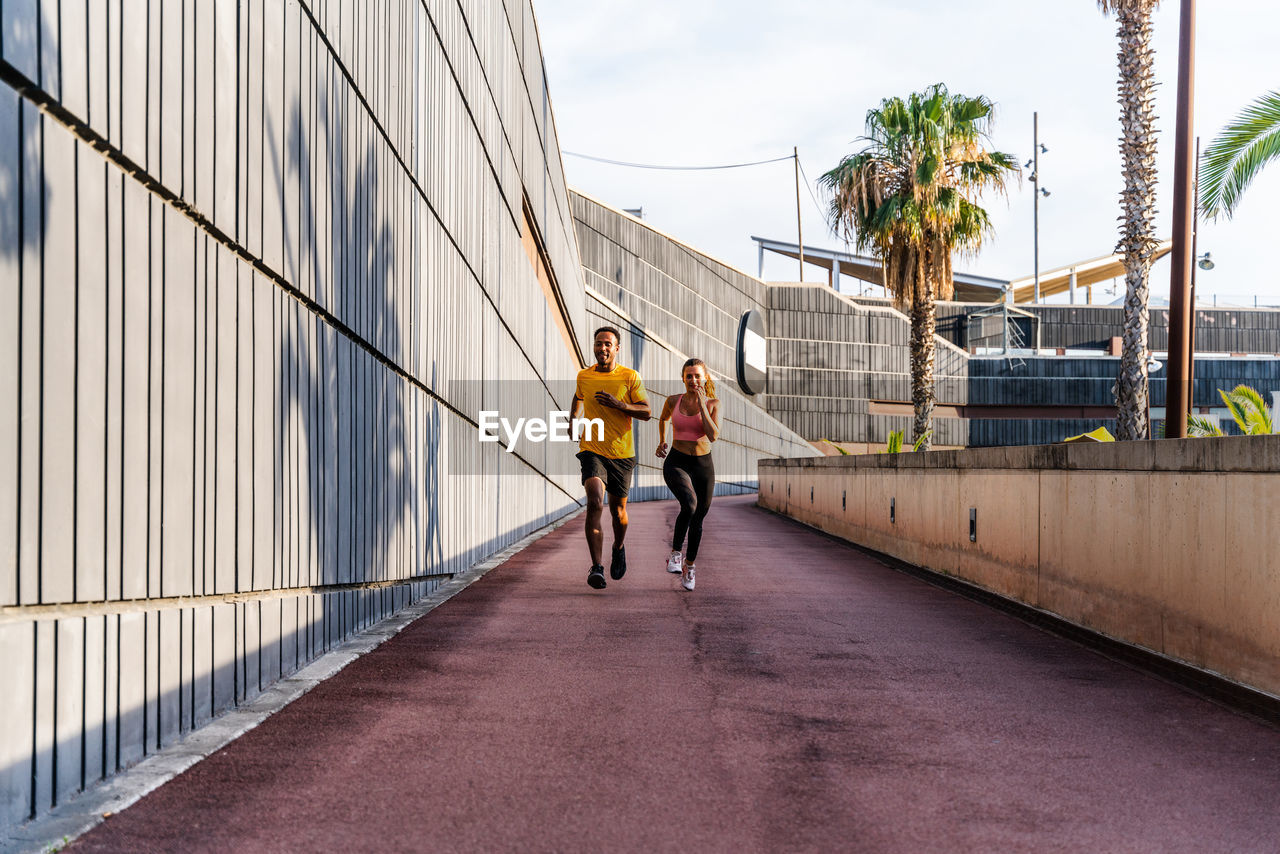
<point>804,698</point>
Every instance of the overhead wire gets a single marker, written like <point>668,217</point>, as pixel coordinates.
<point>808,185</point>
<point>675,168</point>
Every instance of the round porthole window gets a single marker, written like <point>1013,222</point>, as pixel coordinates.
<point>752,353</point>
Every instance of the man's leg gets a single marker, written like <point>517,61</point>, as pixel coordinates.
<point>618,560</point>
<point>618,510</point>
<point>595,508</point>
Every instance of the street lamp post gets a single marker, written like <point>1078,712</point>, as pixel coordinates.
<point>1177,385</point>
<point>1034,165</point>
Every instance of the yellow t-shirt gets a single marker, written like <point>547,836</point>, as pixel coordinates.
<point>624,384</point>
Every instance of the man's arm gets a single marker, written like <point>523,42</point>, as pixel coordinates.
<point>638,410</point>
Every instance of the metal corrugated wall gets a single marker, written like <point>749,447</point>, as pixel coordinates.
<point>246,248</point>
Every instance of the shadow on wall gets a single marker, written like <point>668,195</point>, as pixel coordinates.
<point>22,215</point>
<point>349,425</point>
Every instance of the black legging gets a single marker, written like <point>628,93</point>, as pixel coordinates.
<point>692,480</point>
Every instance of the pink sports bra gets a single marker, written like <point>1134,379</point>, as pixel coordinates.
<point>686,428</point>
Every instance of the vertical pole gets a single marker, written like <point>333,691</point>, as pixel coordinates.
<point>1035,194</point>
<point>1195,236</point>
<point>1177,390</point>
<point>760,262</point>
<point>1073,286</point>
<point>795,154</point>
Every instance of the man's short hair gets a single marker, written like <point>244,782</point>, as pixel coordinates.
<point>617,336</point>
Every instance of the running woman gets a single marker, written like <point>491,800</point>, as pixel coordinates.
<point>688,470</point>
<point>615,395</point>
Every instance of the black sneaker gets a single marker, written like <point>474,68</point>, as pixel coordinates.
<point>596,577</point>
<point>618,566</point>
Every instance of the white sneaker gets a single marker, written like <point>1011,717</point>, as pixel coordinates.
<point>687,583</point>
<point>674,562</point>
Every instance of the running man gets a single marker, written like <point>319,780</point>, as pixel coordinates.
<point>615,395</point>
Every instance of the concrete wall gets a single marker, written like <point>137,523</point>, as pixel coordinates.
<point>662,284</point>
<point>246,250</point>
<point>1164,544</point>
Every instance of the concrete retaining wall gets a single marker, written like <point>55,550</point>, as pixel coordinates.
<point>1169,545</point>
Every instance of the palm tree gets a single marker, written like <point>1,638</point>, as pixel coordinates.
<point>1237,155</point>
<point>909,196</point>
<point>1138,200</point>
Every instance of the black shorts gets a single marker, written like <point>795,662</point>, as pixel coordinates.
<point>615,472</point>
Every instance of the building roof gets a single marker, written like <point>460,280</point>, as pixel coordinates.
<point>969,288</point>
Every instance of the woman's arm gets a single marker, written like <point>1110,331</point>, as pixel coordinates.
<point>710,412</point>
<point>662,427</point>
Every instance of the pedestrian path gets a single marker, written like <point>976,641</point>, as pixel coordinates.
<point>804,698</point>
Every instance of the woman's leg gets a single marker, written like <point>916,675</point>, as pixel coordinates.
<point>682,488</point>
<point>703,478</point>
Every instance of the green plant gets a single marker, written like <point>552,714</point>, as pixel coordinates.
<point>842,451</point>
<point>1248,409</point>
<point>895,442</point>
<point>1237,155</point>
<point>910,196</point>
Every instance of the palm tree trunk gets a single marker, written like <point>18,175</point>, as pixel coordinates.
<point>923,323</point>
<point>1137,241</point>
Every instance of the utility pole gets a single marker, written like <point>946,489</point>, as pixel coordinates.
<point>1195,259</point>
<point>1177,391</point>
<point>1035,196</point>
<point>795,154</point>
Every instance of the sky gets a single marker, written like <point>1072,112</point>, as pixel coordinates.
<point>707,82</point>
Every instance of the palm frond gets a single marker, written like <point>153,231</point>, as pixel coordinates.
<point>1257,415</point>
<point>1238,409</point>
<point>1201,428</point>
<point>1237,154</point>
<point>1112,7</point>
<point>910,194</point>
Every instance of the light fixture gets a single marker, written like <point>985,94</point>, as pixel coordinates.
<point>1204,262</point>
<point>1044,192</point>
<point>1044,149</point>
<point>1027,165</point>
